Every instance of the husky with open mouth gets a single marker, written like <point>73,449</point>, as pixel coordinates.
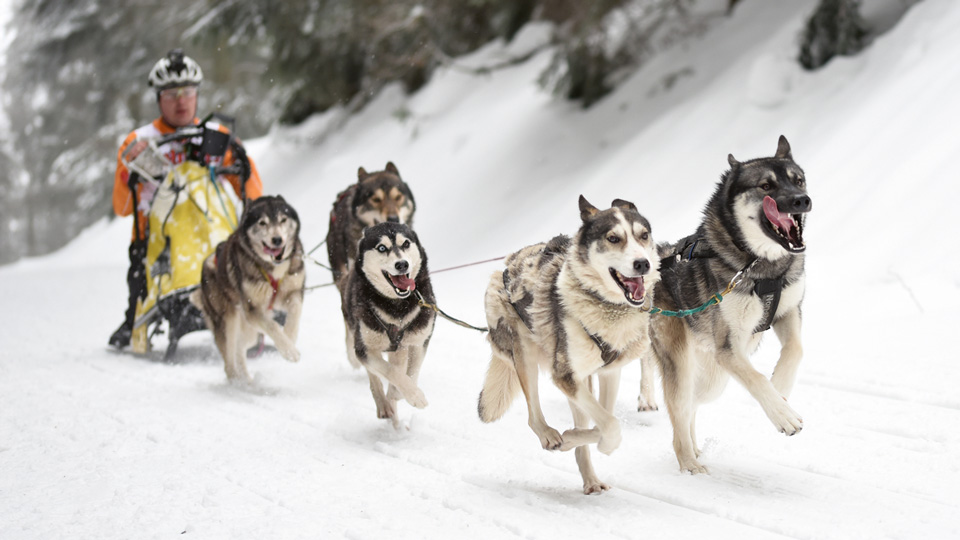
<point>753,230</point>
<point>254,278</point>
<point>573,307</point>
<point>376,197</point>
<point>382,304</point>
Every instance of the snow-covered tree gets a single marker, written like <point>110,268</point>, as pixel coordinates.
<point>834,28</point>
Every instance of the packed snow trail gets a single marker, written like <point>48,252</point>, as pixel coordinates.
<point>99,444</point>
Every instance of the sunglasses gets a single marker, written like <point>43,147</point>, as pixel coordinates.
<point>171,94</point>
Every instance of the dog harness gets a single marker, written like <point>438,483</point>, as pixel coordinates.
<point>274,284</point>
<point>394,332</point>
<point>767,290</point>
<point>607,353</point>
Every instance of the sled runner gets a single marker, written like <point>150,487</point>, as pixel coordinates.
<point>189,214</point>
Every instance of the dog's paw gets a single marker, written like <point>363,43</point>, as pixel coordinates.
<point>416,398</point>
<point>610,440</point>
<point>646,404</point>
<point>393,393</point>
<point>386,409</point>
<point>693,466</point>
<point>785,419</point>
<point>550,438</point>
<point>594,486</point>
<point>291,354</point>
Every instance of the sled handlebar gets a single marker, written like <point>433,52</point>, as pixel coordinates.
<point>150,164</point>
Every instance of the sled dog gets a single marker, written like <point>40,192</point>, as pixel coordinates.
<point>752,224</point>
<point>375,198</point>
<point>573,307</point>
<point>256,273</point>
<point>382,313</point>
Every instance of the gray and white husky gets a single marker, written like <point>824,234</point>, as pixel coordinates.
<point>752,225</point>
<point>382,312</point>
<point>574,308</point>
<point>256,273</point>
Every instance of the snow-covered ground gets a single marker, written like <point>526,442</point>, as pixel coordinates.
<point>97,444</point>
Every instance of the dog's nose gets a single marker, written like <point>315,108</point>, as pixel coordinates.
<point>402,266</point>
<point>802,203</point>
<point>277,241</point>
<point>393,219</point>
<point>641,265</point>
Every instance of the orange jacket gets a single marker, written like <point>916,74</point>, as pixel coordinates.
<point>174,151</point>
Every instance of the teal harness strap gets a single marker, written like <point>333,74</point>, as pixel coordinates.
<point>715,299</point>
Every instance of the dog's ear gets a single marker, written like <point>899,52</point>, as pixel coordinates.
<point>247,218</point>
<point>391,168</point>
<point>783,149</point>
<point>361,174</point>
<point>732,161</point>
<point>624,205</point>
<point>587,210</point>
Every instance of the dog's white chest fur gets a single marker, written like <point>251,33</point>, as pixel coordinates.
<point>743,310</point>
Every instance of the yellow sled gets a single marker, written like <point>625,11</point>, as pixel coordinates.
<point>190,214</point>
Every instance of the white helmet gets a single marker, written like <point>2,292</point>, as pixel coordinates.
<point>175,69</point>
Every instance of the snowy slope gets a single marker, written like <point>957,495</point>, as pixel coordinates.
<point>99,444</point>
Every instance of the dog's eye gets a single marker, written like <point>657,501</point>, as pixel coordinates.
<point>405,245</point>
<point>645,236</point>
<point>382,248</point>
<point>613,239</point>
<point>376,200</point>
<point>766,186</point>
<point>283,220</point>
<point>262,223</point>
<point>800,182</point>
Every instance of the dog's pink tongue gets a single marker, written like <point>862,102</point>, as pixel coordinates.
<point>634,286</point>
<point>273,252</point>
<point>404,283</point>
<point>778,218</point>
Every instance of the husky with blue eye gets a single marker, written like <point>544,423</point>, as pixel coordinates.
<point>574,308</point>
<point>382,304</point>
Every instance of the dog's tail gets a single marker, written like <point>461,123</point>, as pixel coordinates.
<point>500,388</point>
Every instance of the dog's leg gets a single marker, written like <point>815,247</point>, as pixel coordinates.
<point>400,360</point>
<point>415,356</point>
<point>580,435</point>
<point>791,351</point>
<point>678,393</point>
<point>608,424</point>
<point>270,327</point>
<point>784,418</point>
<point>234,362</point>
<point>693,432</point>
<point>377,365</point>
<point>647,400</point>
<point>294,309</point>
<point>351,353</point>
<point>591,484</point>
<point>609,388</point>
<point>385,407</point>
<point>528,374</point>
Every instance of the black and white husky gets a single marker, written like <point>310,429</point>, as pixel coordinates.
<point>382,313</point>
<point>573,307</point>
<point>752,224</point>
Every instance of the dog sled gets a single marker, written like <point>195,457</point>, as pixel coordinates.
<point>189,214</point>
